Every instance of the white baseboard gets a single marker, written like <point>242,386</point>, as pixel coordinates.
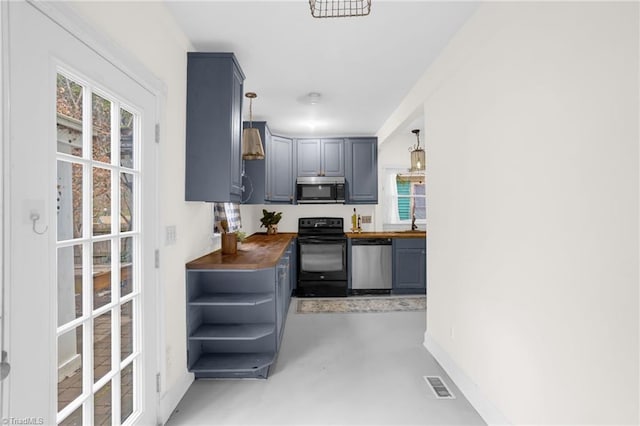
<point>170,399</point>
<point>489,413</point>
<point>69,367</point>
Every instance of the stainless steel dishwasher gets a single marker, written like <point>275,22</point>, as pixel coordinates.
<point>371,265</point>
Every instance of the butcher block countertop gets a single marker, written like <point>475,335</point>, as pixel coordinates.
<point>256,252</point>
<point>406,234</point>
<point>264,251</point>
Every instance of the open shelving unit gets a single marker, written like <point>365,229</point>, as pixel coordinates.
<point>231,320</point>
<point>235,318</point>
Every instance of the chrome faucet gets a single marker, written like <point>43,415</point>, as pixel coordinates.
<point>413,223</point>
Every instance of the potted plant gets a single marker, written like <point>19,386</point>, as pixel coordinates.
<point>270,221</point>
<point>241,236</point>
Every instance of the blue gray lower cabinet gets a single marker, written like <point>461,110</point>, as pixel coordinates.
<point>409,266</point>
<point>235,319</point>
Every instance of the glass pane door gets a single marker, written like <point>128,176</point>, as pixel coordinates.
<point>98,254</point>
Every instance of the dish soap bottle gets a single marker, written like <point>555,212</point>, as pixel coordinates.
<point>354,221</point>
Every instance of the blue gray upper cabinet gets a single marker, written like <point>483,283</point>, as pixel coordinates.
<point>280,176</point>
<point>308,157</point>
<point>362,170</point>
<point>270,180</point>
<point>332,156</point>
<point>214,127</point>
<point>320,157</point>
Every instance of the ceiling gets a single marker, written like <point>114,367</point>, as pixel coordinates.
<point>362,67</point>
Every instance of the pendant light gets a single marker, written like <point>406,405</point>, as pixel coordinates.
<point>417,154</point>
<point>251,141</point>
<point>339,8</point>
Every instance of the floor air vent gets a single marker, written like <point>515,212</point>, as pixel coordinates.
<point>438,387</point>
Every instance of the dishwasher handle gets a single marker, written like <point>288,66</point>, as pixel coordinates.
<point>371,242</point>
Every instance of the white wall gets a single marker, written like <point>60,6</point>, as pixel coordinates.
<point>531,118</point>
<point>147,31</point>
<point>251,215</point>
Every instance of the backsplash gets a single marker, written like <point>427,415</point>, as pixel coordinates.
<point>251,214</point>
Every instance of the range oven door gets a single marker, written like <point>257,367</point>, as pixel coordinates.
<point>322,266</point>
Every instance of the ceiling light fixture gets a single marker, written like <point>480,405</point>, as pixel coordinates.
<point>313,98</point>
<point>251,141</point>
<point>417,154</point>
<point>339,8</point>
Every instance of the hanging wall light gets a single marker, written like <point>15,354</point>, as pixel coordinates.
<point>251,141</point>
<point>417,154</point>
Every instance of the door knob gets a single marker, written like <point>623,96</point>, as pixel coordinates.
<point>5,367</point>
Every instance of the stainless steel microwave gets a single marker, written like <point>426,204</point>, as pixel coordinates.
<point>320,189</point>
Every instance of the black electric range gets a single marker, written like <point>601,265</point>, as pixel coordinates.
<point>322,257</point>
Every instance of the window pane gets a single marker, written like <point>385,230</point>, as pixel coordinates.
<point>420,201</point>
<point>101,273</point>
<point>404,208</point>
<point>126,202</point>
<point>101,201</point>
<point>102,406</point>
<point>101,345</point>
<point>69,366</point>
<point>126,138</point>
<point>69,116</point>
<point>101,141</point>
<point>74,419</point>
<point>126,392</point>
<point>126,266</point>
<point>404,200</point>
<point>420,208</point>
<point>69,200</point>
<point>126,330</point>
<point>69,284</point>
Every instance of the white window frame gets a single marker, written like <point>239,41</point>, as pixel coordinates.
<point>391,219</point>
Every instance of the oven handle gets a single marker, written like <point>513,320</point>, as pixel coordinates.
<point>321,240</point>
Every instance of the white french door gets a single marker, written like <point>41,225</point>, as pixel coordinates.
<point>80,284</point>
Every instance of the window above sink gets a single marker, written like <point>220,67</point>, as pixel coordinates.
<point>404,194</point>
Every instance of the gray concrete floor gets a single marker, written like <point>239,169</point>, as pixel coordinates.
<point>338,369</point>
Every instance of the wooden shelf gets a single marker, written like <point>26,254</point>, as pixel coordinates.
<point>233,362</point>
<point>235,299</point>
<point>232,331</point>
